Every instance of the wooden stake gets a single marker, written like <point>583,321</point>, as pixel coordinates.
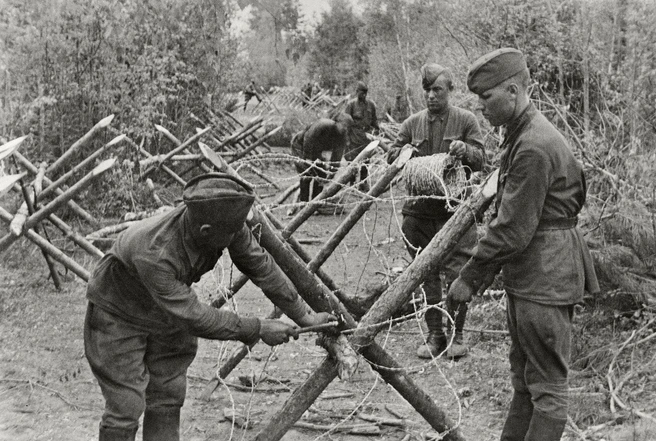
<point>7,182</point>
<point>175,151</point>
<point>11,146</point>
<point>71,204</point>
<point>49,248</point>
<point>80,143</point>
<point>383,309</point>
<point>42,213</point>
<point>70,193</point>
<point>92,157</point>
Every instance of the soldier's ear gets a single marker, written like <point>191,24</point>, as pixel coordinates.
<point>205,230</point>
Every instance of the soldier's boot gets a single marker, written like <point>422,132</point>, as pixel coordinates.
<point>519,418</point>
<point>161,424</point>
<point>545,428</point>
<point>435,344</point>
<point>458,347</point>
<point>117,434</point>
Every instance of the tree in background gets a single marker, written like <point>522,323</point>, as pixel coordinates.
<point>68,64</point>
<point>274,41</point>
<point>338,56</point>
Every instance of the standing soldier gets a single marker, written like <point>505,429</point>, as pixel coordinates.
<point>363,112</point>
<point>249,92</point>
<point>143,317</point>
<point>533,237</point>
<point>440,128</point>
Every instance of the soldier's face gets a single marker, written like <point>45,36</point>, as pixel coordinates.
<point>437,95</point>
<point>498,104</point>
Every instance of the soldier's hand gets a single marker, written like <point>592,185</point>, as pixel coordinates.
<point>458,149</point>
<point>316,318</point>
<point>275,332</point>
<point>460,291</point>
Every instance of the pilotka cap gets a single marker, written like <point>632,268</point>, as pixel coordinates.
<point>219,199</point>
<point>493,68</point>
<point>429,74</point>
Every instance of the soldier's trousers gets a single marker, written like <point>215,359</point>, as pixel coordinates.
<point>418,233</point>
<point>539,353</point>
<point>136,368</point>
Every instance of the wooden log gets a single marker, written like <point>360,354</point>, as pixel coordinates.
<point>81,212</point>
<point>30,209</point>
<point>257,143</point>
<point>89,159</point>
<point>77,145</point>
<point>70,193</point>
<point>218,162</point>
<point>177,142</point>
<point>7,182</point>
<point>322,299</point>
<point>392,299</point>
<point>301,400</point>
<point>362,207</point>
<point>42,213</point>
<point>75,237</point>
<point>111,229</point>
<point>17,223</point>
<point>430,258</point>
<point>176,150</point>
<point>342,178</point>
<point>10,147</point>
<point>164,168</point>
<point>49,248</point>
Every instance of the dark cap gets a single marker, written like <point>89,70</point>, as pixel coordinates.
<point>361,87</point>
<point>430,72</point>
<point>218,199</point>
<point>493,68</point>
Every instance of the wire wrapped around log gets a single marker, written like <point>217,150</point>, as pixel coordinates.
<point>436,175</point>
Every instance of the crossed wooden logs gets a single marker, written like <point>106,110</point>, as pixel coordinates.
<point>321,298</point>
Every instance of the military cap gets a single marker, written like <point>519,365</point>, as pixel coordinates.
<point>493,68</point>
<point>361,87</point>
<point>430,72</point>
<point>219,199</point>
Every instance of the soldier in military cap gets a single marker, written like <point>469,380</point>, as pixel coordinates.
<point>363,112</point>
<point>143,316</point>
<point>533,237</point>
<point>440,128</point>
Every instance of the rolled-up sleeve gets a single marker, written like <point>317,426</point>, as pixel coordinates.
<point>258,265</point>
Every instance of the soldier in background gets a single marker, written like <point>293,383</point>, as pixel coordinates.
<point>322,145</point>
<point>363,112</point>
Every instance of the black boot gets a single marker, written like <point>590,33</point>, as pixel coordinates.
<point>161,424</point>
<point>434,346</point>
<point>545,428</point>
<point>458,348</point>
<point>519,418</point>
<point>116,434</point>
